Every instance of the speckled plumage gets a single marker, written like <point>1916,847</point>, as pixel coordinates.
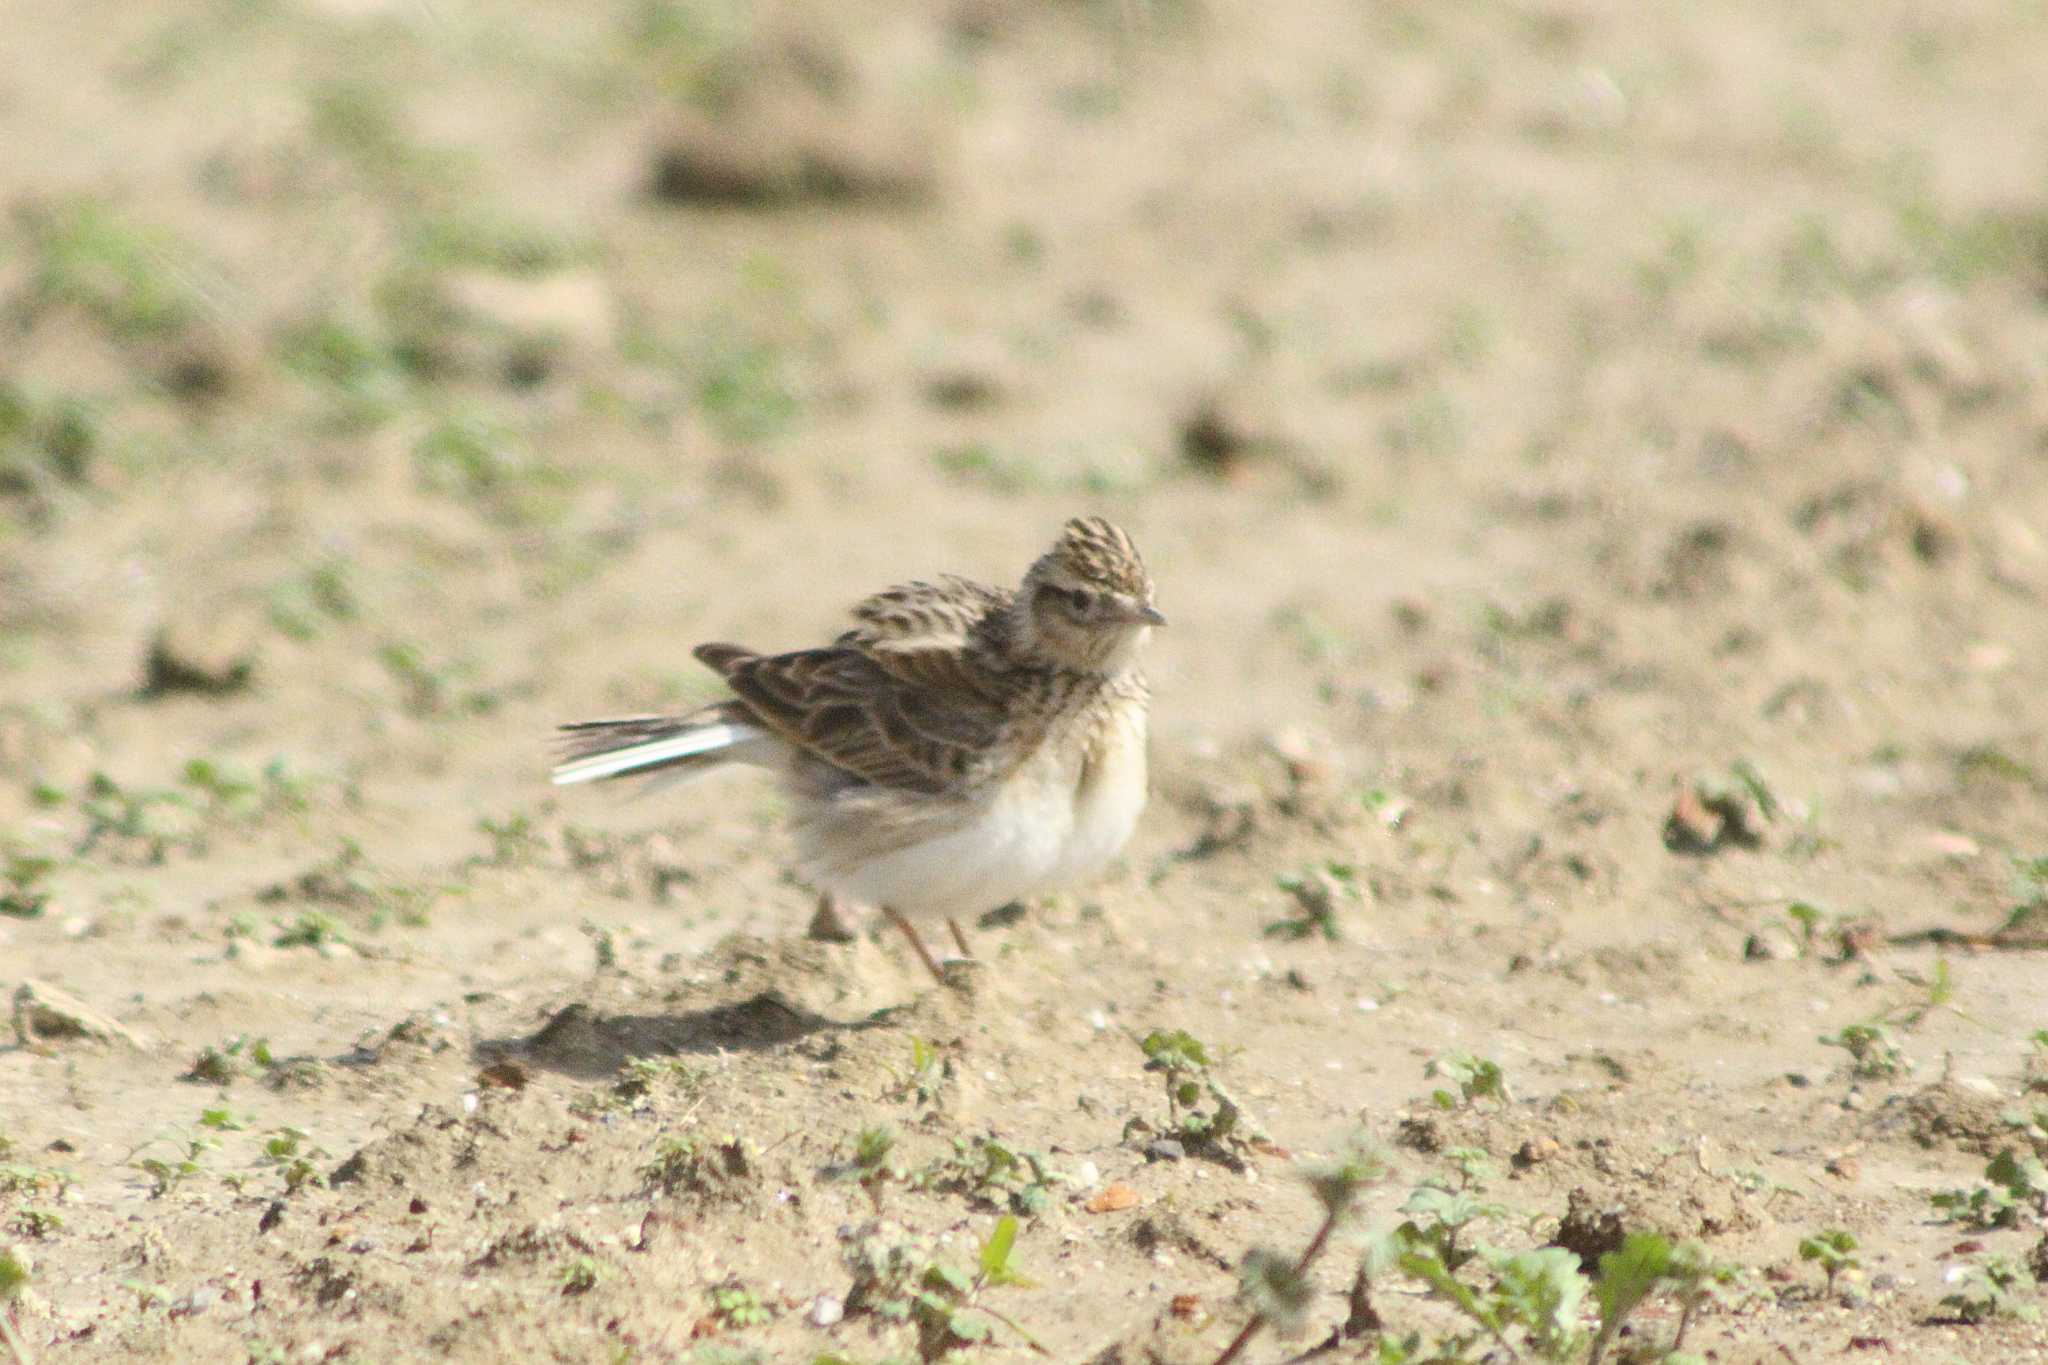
<point>959,747</point>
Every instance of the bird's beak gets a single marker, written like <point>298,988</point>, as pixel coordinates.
<point>1148,616</point>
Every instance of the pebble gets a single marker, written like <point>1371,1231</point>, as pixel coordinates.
<point>1165,1149</point>
<point>826,1311</point>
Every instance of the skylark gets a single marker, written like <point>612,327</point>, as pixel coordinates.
<point>961,747</point>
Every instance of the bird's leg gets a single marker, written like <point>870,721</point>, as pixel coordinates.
<point>828,925</point>
<point>924,954</point>
<point>960,938</point>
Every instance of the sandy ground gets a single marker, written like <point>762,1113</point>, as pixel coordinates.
<point>1594,457</point>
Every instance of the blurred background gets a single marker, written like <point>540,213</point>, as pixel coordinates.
<point>1594,458</point>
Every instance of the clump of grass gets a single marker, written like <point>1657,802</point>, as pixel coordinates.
<point>981,464</point>
<point>131,277</point>
<point>496,243</point>
<point>744,391</point>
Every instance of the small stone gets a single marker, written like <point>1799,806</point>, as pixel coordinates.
<point>1087,1175</point>
<point>1949,844</point>
<point>1114,1198</point>
<point>1165,1149</point>
<point>41,1011</point>
<point>826,1311</point>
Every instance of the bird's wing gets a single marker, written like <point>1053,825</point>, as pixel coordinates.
<point>940,636</point>
<point>845,707</point>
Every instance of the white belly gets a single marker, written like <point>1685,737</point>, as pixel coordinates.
<point>1050,825</point>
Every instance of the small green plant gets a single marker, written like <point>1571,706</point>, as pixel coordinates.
<point>1275,1285</point>
<point>127,276</point>
<point>1200,1113</point>
<point>293,1153</point>
<point>1873,1054</point>
<point>929,1071</point>
<point>186,1159</point>
<point>580,1275</point>
<point>874,1162</point>
<point>37,1222</point>
<point>221,1119</point>
<point>1806,917</point>
<point>237,1057</point>
<point>898,1279</point>
<point>684,1162</point>
<point>310,600</point>
<point>991,1174</point>
<point>1476,1078</point>
<point>1937,992</point>
<point>515,842</point>
<point>1995,1287</point>
<point>738,1307</point>
<point>146,822</point>
<point>435,687</point>
<point>24,877</point>
<point>14,1278</point>
<point>1834,1250</point>
<point>640,1084</point>
<point>310,929</point>
<point>1317,893</point>
<point>2012,1184</point>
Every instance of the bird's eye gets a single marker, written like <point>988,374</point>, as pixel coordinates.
<point>1082,600</point>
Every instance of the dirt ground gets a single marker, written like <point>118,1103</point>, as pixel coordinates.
<point>1595,462</point>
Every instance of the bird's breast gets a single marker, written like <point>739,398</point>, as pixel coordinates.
<point>1109,791</point>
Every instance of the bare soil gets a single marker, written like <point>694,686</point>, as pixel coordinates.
<point>1594,459</point>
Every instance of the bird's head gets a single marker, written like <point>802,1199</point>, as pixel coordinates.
<point>1086,605</point>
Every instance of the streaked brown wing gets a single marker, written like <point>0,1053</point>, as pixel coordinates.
<point>939,636</point>
<point>851,711</point>
<point>926,615</point>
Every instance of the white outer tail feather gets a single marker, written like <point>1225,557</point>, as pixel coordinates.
<point>706,739</point>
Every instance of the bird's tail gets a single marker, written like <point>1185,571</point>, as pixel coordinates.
<point>677,747</point>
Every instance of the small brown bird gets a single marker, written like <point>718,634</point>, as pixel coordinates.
<point>959,748</point>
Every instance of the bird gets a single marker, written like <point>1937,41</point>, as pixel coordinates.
<point>958,748</point>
